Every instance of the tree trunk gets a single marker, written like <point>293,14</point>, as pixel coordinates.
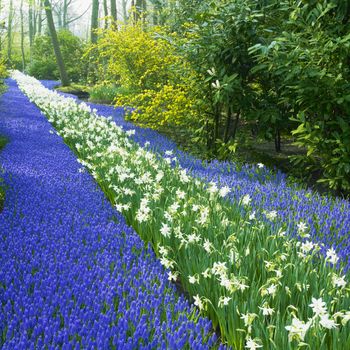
<point>55,44</point>
<point>216,124</point>
<point>133,13</point>
<point>94,21</point>
<point>65,15</point>
<point>278,140</point>
<point>144,10</point>
<point>235,125</point>
<point>138,13</point>
<point>9,33</point>
<point>22,38</point>
<point>105,10</point>
<point>35,19</point>
<point>125,12</point>
<point>114,10</point>
<point>40,17</point>
<point>31,30</point>
<point>227,125</point>
<point>156,12</point>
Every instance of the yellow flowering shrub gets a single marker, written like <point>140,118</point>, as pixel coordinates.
<point>156,79</point>
<point>168,105</point>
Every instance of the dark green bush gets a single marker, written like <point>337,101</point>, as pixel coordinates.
<point>44,65</point>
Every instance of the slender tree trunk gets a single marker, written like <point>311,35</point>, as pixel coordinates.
<point>139,7</point>
<point>31,31</point>
<point>114,10</point>
<point>22,38</point>
<point>144,10</point>
<point>235,125</point>
<point>9,33</point>
<point>94,21</point>
<point>125,12</point>
<point>134,15</point>
<point>65,15</point>
<point>59,21</point>
<point>278,140</point>
<point>105,10</point>
<point>156,10</point>
<point>227,125</point>
<point>40,17</point>
<point>35,20</point>
<point>216,124</point>
<point>55,44</point>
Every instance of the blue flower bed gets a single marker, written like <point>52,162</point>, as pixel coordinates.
<point>327,219</point>
<point>73,274</point>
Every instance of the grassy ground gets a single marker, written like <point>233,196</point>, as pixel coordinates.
<point>3,142</point>
<point>75,89</point>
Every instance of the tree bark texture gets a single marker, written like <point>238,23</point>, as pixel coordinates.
<point>94,21</point>
<point>55,44</point>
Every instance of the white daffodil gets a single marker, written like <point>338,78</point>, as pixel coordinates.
<point>219,268</point>
<point>198,302</point>
<point>165,230</point>
<point>163,250</point>
<point>332,256</point>
<point>208,246</point>
<point>193,238</point>
<point>297,330</point>
<point>246,199</point>
<point>206,273</point>
<point>345,318</point>
<point>168,264</point>
<point>212,189</point>
<point>271,290</point>
<point>252,345</point>
<point>318,306</point>
<point>223,301</point>
<point>180,194</point>
<point>248,318</point>
<point>307,246</point>
<point>266,310</point>
<point>302,227</point>
<point>252,215</point>
<point>338,282</point>
<point>193,279</point>
<point>195,207</point>
<point>172,276</point>
<point>224,191</point>
<point>326,322</point>
<point>271,215</point>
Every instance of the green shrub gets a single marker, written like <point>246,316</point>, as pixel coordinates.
<point>44,64</point>
<point>105,93</point>
<point>310,60</point>
<point>3,70</point>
